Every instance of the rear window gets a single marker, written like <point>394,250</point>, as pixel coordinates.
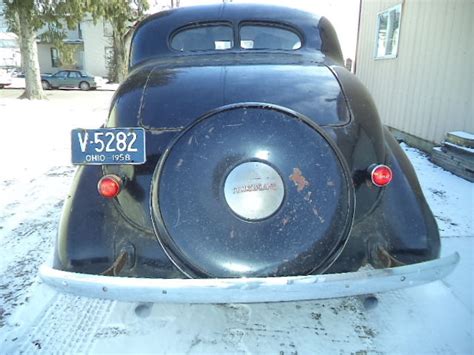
<point>203,38</point>
<point>268,37</point>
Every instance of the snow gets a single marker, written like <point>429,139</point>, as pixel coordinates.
<point>462,134</point>
<point>459,147</point>
<point>19,83</point>
<point>451,198</point>
<point>35,177</point>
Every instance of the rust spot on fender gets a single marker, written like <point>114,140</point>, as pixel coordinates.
<point>298,179</point>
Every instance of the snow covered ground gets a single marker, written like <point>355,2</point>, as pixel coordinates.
<point>35,175</point>
<point>19,83</point>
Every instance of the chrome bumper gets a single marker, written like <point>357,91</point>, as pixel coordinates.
<point>248,290</point>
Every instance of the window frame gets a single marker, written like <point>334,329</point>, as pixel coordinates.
<point>278,25</point>
<point>189,26</point>
<point>55,59</point>
<point>109,57</point>
<point>377,29</point>
<point>8,43</point>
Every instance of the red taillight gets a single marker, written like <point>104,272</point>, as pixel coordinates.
<point>381,175</point>
<point>109,186</point>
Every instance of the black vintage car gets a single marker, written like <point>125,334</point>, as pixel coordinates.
<point>241,162</point>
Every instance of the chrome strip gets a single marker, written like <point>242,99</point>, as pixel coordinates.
<point>248,290</point>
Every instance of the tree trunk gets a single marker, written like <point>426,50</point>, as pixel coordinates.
<point>29,57</point>
<point>120,56</point>
<point>127,40</point>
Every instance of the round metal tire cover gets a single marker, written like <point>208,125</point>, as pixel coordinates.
<point>252,156</point>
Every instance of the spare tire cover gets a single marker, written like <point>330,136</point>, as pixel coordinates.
<point>252,191</point>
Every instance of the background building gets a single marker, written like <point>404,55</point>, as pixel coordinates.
<point>9,50</point>
<point>93,44</point>
<point>3,23</point>
<point>93,47</point>
<point>416,59</point>
<point>9,47</point>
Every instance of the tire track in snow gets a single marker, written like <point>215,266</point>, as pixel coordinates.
<point>29,222</point>
<point>337,326</point>
<point>20,274</point>
<point>239,314</point>
<point>67,324</point>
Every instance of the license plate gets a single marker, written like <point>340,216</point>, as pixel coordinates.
<point>108,146</point>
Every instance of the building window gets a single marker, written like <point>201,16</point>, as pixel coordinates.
<point>388,32</point>
<point>55,62</point>
<point>108,30</point>
<point>109,57</point>
<point>79,31</point>
<point>8,43</point>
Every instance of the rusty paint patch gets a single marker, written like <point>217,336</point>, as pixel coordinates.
<point>117,266</point>
<point>299,180</point>
<point>386,259</point>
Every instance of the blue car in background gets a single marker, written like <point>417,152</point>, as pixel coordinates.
<point>69,79</point>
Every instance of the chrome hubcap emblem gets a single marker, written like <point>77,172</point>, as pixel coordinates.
<point>254,190</point>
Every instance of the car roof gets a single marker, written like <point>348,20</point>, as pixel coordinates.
<point>236,12</point>
<point>151,37</point>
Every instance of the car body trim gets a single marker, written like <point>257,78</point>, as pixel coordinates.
<point>248,290</point>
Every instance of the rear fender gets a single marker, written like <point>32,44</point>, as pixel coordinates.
<point>93,233</point>
<point>399,229</point>
<point>411,233</point>
<point>81,241</point>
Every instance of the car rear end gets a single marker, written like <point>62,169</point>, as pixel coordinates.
<point>260,175</point>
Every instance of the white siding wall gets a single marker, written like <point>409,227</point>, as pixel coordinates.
<point>3,22</point>
<point>46,65</point>
<point>427,90</point>
<point>9,50</point>
<point>44,57</point>
<point>94,48</point>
